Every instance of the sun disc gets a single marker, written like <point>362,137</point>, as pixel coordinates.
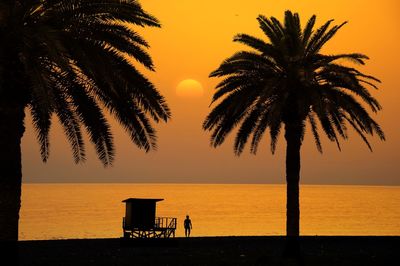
<point>189,88</point>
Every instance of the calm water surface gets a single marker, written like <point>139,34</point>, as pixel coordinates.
<point>58,211</point>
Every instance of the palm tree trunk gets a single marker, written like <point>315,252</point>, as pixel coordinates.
<point>293,140</point>
<point>11,131</point>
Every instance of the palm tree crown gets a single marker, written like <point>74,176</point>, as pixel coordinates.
<point>73,59</point>
<point>288,81</point>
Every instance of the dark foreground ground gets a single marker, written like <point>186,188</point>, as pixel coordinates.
<point>212,251</point>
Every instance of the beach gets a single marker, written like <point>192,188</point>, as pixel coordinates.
<point>245,250</point>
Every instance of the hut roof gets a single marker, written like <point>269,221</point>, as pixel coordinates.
<point>141,200</point>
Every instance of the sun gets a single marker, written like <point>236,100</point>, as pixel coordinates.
<point>189,88</point>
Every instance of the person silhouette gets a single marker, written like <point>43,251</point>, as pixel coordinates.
<point>188,226</point>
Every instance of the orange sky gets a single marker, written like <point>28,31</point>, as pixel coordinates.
<point>196,36</point>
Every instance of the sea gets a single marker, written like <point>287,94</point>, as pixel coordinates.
<point>76,211</point>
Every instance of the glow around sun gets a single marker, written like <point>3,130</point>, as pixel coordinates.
<point>189,88</point>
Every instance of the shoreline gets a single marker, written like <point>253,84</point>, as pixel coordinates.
<point>232,250</point>
<point>205,183</point>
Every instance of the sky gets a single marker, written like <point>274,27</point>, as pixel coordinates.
<point>194,39</point>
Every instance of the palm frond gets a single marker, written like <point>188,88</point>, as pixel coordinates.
<point>41,118</point>
<point>272,29</point>
<point>293,33</point>
<point>316,37</point>
<point>227,114</point>
<point>308,30</point>
<point>246,129</point>
<point>244,62</point>
<point>314,130</point>
<point>91,116</point>
<point>115,10</point>
<point>252,42</point>
<point>70,123</point>
<point>317,45</point>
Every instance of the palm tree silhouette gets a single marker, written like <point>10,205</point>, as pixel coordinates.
<point>283,83</point>
<point>71,59</point>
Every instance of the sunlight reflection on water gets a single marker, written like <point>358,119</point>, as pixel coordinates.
<point>59,211</point>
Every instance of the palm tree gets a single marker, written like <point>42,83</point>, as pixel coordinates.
<point>72,59</point>
<point>285,82</point>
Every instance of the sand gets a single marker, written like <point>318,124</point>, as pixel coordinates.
<point>370,250</point>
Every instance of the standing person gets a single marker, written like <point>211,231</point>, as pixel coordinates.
<point>188,225</point>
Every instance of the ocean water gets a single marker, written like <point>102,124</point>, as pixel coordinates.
<point>62,211</point>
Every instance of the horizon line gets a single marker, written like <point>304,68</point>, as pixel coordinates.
<point>206,183</point>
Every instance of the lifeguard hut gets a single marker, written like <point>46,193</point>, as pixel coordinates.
<point>140,220</point>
